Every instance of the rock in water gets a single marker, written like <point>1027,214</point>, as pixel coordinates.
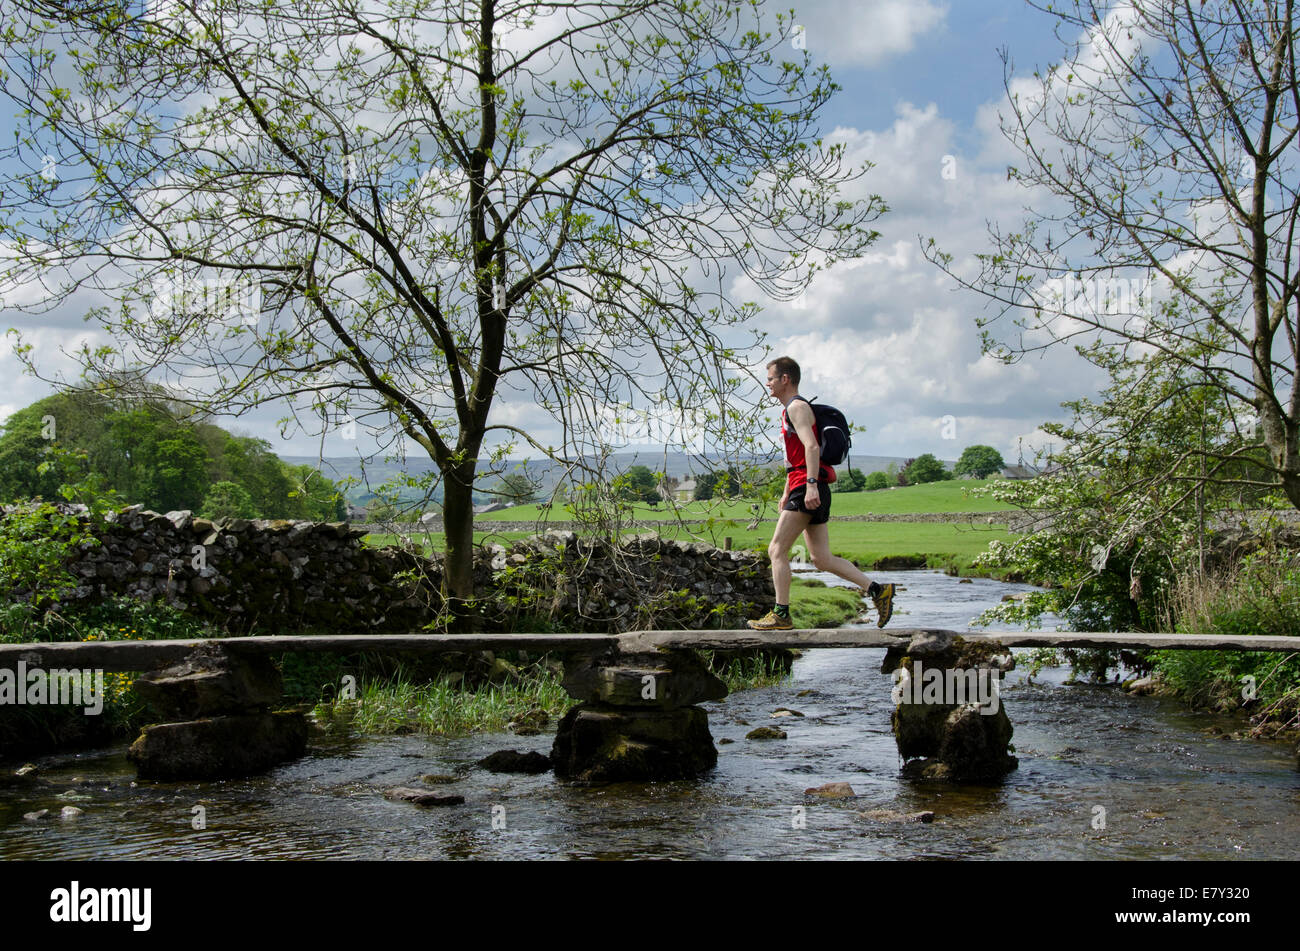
<point>831,791</point>
<point>226,747</point>
<point>421,797</point>
<point>1141,687</point>
<point>599,744</point>
<point>512,761</point>
<point>766,733</point>
<point>26,776</point>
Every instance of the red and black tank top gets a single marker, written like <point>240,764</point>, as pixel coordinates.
<point>794,455</point>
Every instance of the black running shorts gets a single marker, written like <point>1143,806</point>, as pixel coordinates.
<point>820,515</point>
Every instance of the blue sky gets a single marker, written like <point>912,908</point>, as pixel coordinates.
<point>888,339</point>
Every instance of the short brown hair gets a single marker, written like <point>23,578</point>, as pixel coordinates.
<point>786,367</point>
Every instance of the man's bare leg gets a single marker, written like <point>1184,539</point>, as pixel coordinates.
<point>819,547</point>
<point>819,550</point>
<point>788,526</point>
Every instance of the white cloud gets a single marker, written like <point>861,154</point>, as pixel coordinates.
<point>866,33</point>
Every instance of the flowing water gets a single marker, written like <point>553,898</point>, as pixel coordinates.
<point>1102,775</point>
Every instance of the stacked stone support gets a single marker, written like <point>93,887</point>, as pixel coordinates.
<point>220,719</point>
<point>637,720</point>
<point>943,732</point>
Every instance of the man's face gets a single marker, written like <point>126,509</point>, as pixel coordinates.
<point>775,382</point>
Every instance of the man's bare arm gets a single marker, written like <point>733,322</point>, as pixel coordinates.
<point>802,418</point>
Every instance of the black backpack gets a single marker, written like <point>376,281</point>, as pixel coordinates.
<point>832,432</point>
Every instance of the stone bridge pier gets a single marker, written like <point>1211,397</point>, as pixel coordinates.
<point>637,719</point>
<point>220,722</point>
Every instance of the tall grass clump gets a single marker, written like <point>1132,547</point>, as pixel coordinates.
<point>399,705</point>
<point>1257,596</point>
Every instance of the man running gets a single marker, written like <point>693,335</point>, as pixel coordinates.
<point>806,505</point>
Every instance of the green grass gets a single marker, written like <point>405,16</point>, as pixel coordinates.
<point>942,545</point>
<point>435,541</point>
<point>815,604</point>
<point>933,497</point>
<point>400,706</point>
<point>750,673</point>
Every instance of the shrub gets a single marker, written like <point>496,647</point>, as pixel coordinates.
<point>228,500</point>
<point>877,480</point>
<point>1258,596</point>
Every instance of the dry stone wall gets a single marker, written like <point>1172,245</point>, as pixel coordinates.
<point>289,576</point>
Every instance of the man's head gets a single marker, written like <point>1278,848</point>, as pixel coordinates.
<point>783,378</point>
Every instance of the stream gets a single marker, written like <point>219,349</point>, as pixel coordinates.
<point>1102,775</point>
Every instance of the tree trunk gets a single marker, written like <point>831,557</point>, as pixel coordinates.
<point>458,529</point>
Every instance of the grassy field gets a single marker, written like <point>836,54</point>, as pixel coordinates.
<point>934,497</point>
<point>946,545</point>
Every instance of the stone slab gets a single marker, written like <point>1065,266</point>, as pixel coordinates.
<point>119,656</point>
<point>226,747</point>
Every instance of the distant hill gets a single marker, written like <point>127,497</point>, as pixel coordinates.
<point>675,464</point>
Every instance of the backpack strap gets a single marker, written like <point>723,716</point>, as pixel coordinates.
<point>823,466</point>
<point>786,414</point>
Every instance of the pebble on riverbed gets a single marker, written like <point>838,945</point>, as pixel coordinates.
<point>421,797</point>
<point>831,791</point>
<point>512,761</point>
<point>1140,687</point>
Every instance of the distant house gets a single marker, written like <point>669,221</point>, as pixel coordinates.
<point>492,507</point>
<point>1018,472</point>
<point>356,513</point>
<point>685,490</point>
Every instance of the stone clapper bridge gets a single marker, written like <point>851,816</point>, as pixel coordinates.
<point>637,719</point>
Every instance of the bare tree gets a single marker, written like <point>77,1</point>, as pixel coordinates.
<point>389,211</point>
<point>1161,159</point>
